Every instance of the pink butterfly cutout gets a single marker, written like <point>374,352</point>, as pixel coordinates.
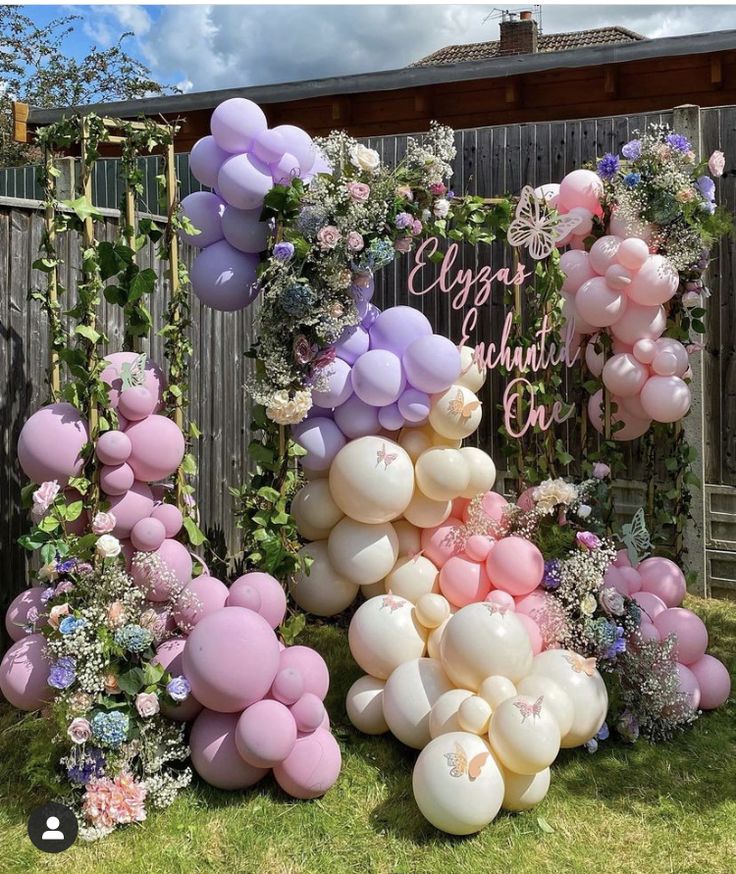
<point>383,455</point>
<point>534,710</point>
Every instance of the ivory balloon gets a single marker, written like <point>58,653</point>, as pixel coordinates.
<point>384,633</point>
<point>444,715</point>
<point>472,376</point>
<point>408,696</point>
<point>432,610</point>
<point>474,714</point>
<point>442,473</point>
<point>482,471</point>
<point>496,689</point>
<point>524,791</point>
<point>434,638</point>
<point>555,697</point>
<point>314,511</point>
<point>322,591</point>
<point>524,734</point>
<point>362,553</point>
<point>364,704</point>
<point>412,577</point>
<point>456,413</point>
<point>414,441</point>
<point>426,513</point>
<point>410,537</point>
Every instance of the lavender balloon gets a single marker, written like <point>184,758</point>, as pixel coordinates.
<point>299,144</point>
<point>158,448</point>
<point>236,122</point>
<point>16,619</point>
<point>214,755</point>
<point>322,439</point>
<point>205,161</point>
<point>378,378</point>
<point>285,169</point>
<point>224,278</point>
<point>356,418</point>
<point>414,405</point>
<point>352,344</point>
<point>24,672</point>
<point>244,229</point>
<point>369,316</point>
<point>204,210</point>
<point>390,418</point>
<point>397,328</point>
<point>169,655</point>
<point>244,181</point>
<point>432,363</point>
<point>338,385</point>
<point>268,146</point>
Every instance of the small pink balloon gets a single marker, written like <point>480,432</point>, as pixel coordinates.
<point>515,565</point>
<point>645,350</point>
<point>16,617</point>
<point>614,578</point>
<point>666,398</point>
<point>655,282</point>
<point>130,507</point>
<point>136,403</point>
<point>266,733</point>
<point>603,253</point>
<point>148,534</point>
<point>215,756</point>
<point>537,604</point>
<point>632,427</point>
<point>648,630</point>
<point>618,277</point>
<point>113,447</point>
<point>24,672</point>
<point>639,322</point>
<point>663,578</point>
<point>675,347</point>
<point>308,712</point>
<point>200,597</point>
<point>622,559</point>
<point>311,667</point>
<point>689,629</point>
<point>153,377</point>
<point>714,681</point>
<point>463,581</point>
<point>624,376</point>
<point>158,448</point>
<point>171,517</point>
<point>532,629</point>
<point>503,599</point>
<point>650,604</point>
<point>477,547</point>
<point>493,505</point>
<point>439,543</point>
<point>576,267</point>
<point>664,364</point>
<point>288,686</point>
<point>169,656</point>
<point>177,559</point>
<point>273,597</point>
<point>632,253</point>
<point>631,408</point>
<point>688,685</point>
<point>116,479</point>
<point>312,767</point>
<point>599,304</point>
<point>459,506</point>
<point>50,444</point>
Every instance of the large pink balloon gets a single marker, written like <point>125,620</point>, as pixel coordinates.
<point>231,659</point>
<point>236,122</point>
<point>651,605</point>
<point>273,597</point>
<point>158,448</point>
<point>153,377</point>
<point>493,505</point>
<point>689,629</point>
<point>244,181</point>
<point>688,685</point>
<point>169,656</point>
<point>50,443</point>
<point>598,303</point>
<point>310,665</point>
<point>515,565</point>
<point>224,278</point>
<point>632,428</point>
<point>205,161</point>
<point>265,734</point>
<point>113,447</point>
<point>603,253</point>
<point>714,681</point>
<point>204,210</point>
<point>312,767</point>
<point>177,559</point>
<point>200,597</point>
<point>442,542</point>
<point>640,322</point>
<point>577,269</point>
<point>581,188</point>
<point>16,617</point>
<point>662,577</point>
<point>24,672</point>
<point>666,398</point>
<point>463,581</point>
<point>655,282</point>
<point>624,375</point>
<point>244,229</point>
<point>131,507</point>
<point>215,756</point>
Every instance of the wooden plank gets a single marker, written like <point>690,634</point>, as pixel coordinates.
<point>20,121</point>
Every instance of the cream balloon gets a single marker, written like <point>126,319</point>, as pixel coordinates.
<point>584,686</point>
<point>362,553</point>
<point>372,480</point>
<point>496,690</point>
<point>314,475</point>
<point>364,704</point>
<point>482,471</point>
<point>322,591</point>
<point>456,413</point>
<point>555,697</point>
<point>474,715</point>
<point>410,537</point>
<point>412,577</point>
<point>480,640</point>
<point>385,633</point>
<point>524,791</point>
<point>314,511</point>
<point>435,638</point>
<point>443,717</point>
<point>439,440</point>
<point>524,734</point>
<point>471,376</point>
<point>408,696</point>
<point>442,473</point>
<point>414,441</point>
<point>444,791</point>
<point>426,513</point>
<point>372,590</point>
<point>432,610</point>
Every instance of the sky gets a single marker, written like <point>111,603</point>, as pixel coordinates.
<point>203,47</point>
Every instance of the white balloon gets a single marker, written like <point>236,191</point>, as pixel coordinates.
<point>524,791</point>
<point>410,537</point>
<point>364,704</point>
<point>385,633</point>
<point>322,591</point>
<point>443,717</point>
<point>474,715</point>
<point>524,734</point>
<point>482,471</point>
<point>456,413</point>
<point>414,441</point>
<point>413,577</point>
<point>410,692</point>
<point>435,638</point>
<point>314,511</point>
<point>432,610</point>
<point>442,473</point>
<point>555,697</point>
<point>362,553</point>
<point>471,376</point>
<point>496,690</point>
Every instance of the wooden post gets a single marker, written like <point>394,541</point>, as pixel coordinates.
<point>519,313</point>
<point>130,229</point>
<point>53,281</point>
<point>88,238</point>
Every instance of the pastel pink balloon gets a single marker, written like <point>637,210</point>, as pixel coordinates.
<point>136,403</point>
<point>614,578</point>
<point>249,597</point>
<point>171,517</point>
<point>50,444</point>
<point>689,629</point>
<point>169,656</point>
<point>215,756</point>
<point>585,225</point>
<point>652,605</point>
<point>148,534</point>
<point>622,559</point>
<point>463,581</point>
<point>633,579</point>
<point>664,364</point>
<point>639,322</point>
<point>581,188</point>
<point>655,282</point>
<point>714,681</point>
<point>573,317</point>
<point>177,559</point>
<point>632,253</point>
<point>158,448</point>
<point>308,712</point>
<point>273,597</point>
<point>532,629</point>
<point>537,604</point>
<point>515,565</point>
<point>113,447</point>
<point>493,505</point>
<point>477,547</point>
<point>576,267</point>
<point>231,659</point>
<point>311,667</point>
<point>632,427</point>
<point>24,672</point>
<point>200,597</point>
<point>674,347</point>
<point>603,253</point>
<point>624,376</point>
<point>648,630</point>
<point>594,359</point>
<point>503,599</point>
<point>153,377</point>
<point>632,408</point>
<point>288,686</point>
<point>265,734</point>
<point>16,617</point>
<point>645,350</point>
<point>116,479</point>
<point>312,767</point>
<point>666,398</point>
<point>130,507</point>
<point>459,506</point>
<point>598,304</point>
<point>688,685</point>
<point>439,544</point>
<point>618,277</point>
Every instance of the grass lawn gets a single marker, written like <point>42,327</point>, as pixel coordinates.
<point>669,808</point>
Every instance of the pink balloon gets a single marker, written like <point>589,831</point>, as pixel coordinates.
<point>624,376</point>
<point>117,479</point>
<point>177,559</point>
<point>440,543</point>
<point>459,506</point>
<point>235,123</point>
<point>577,269</point>
<point>169,656</point>
<point>666,398</point>
<point>714,681</point>
<point>664,364</point>
<point>581,188</point>
<point>598,304</point>
<point>224,278</point>
<point>639,322</point>
<point>618,277</point>
<point>158,448</point>
<point>650,604</point>
<point>655,282</point>
<point>632,427</point>
<point>648,630</point>
<point>312,767</point>
<point>463,581</point>
<point>515,565</point>
<point>663,577</point>
<point>631,408</point>
<point>24,672</point>
<point>603,253</point>
<point>308,712</point>
<point>148,534</point>
<point>503,599</point>
<point>645,350</point>
<point>614,578</point>
<point>205,161</point>
<point>477,547</point>
<point>16,617</point>
<point>273,597</point>
<point>50,443</point>
<point>153,377</point>
<point>159,587</point>
<point>633,579</point>
<point>265,734</point>
<point>311,667</point>
<point>493,505</point>
<point>204,210</point>
<point>632,253</point>
<point>338,387</point>
<point>113,447</point>
<point>131,507</point>
<point>171,517</point>
<point>674,347</point>
<point>622,559</point>
<point>537,604</point>
<point>688,685</point>
<point>689,629</point>
<point>231,659</point>
<point>585,224</point>
<point>532,629</point>
<point>288,686</point>
<point>136,403</point>
<point>200,597</point>
<point>215,756</point>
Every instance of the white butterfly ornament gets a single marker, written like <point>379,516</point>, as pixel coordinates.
<point>537,229</point>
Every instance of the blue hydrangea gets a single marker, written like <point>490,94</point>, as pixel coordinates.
<point>379,253</point>
<point>618,644</point>
<point>603,732</point>
<point>632,150</point>
<point>608,166</point>
<point>631,180</point>
<point>63,673</point>
<point>63,567</point>
<point>591,745</point>
<point>310,220</point>
<point>84,764</point>
<point>178,688</point>
<point>297,300</point>
<point>70,624</point>
<point>678,142</point>
<point>110,728</point>
<point>133,638</point>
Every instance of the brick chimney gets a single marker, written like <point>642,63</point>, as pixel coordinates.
<point>519,36</point>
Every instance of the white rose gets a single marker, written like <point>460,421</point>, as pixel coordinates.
<point>584,511</point>
<point>365,159</point>
<point>441,208</point>
<point>107,546</point>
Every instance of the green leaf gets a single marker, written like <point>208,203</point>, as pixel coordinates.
<point>88,333</point>
<point>132,681</point>
<point>143,283</point>
<point>544,826</point>
<point>195,535</point>
<point>292,628</point>
<point>189,465</point>
<point>82,208</point>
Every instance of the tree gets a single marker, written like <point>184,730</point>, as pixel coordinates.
<point>35,69</point>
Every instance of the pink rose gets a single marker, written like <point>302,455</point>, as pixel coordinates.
<point>303,352</point>
<point>115,613</point>
<point>328,237</point>
<point>416,228</point>
<point>146,703</point>
<point>437,189</point>
<point>359,191</point>
<point>717,163</point>
<point>79,730</point>
<point>44,497</point>
<point>403,244</point>
<point>355,241</point>
<point>601,470</point>
<point>103,523</point>
<point>57,613</point>
<point>588,540</point>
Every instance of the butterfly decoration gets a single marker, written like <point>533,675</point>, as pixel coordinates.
<point>458,407</point>
<point>494,608</point>
<point>392,602</point>
<point>529,710</point>
<point>581,665</point>
<point>636,538</point>
<point>460,766</point>
<point>133,374</point>
<point>385,457</point>
<point>537,229</point>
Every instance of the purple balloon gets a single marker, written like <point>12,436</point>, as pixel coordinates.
<point>244,181</point>
<point>205,161</point>
<point>390,417</point>
<point>50,444</point>
<point>24,672</point>
<point>397,328</point>
<point>352,344</point>
<point>16,619</point>
<point>414,405</point>
<point>432,363</point>
<point>369,316</point>
<point>224,278</point>
<point>299,144</point>
<point>268,146</point>
<point>363,286</point>
<point>378,377</point>
<point>158,448</point>
<point>316,412</point>
<point>235,123</point>
<point>273,597</point>
<point>339,387</point>
<point>244,229</point>
<point>285,169</point>
<point>214,755</point>
<point>357,419</point>
<point>204,210</point>
<point>322,439</point>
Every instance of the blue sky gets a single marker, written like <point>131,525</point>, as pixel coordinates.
<point>205,47</point>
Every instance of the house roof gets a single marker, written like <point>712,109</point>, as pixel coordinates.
<point>548,42</point>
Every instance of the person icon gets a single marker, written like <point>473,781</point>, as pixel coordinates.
<point>52,832</point>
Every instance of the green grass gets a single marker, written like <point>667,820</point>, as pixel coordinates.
<point>669,808</point>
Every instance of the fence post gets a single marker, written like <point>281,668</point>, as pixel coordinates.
<point>686,120</point>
